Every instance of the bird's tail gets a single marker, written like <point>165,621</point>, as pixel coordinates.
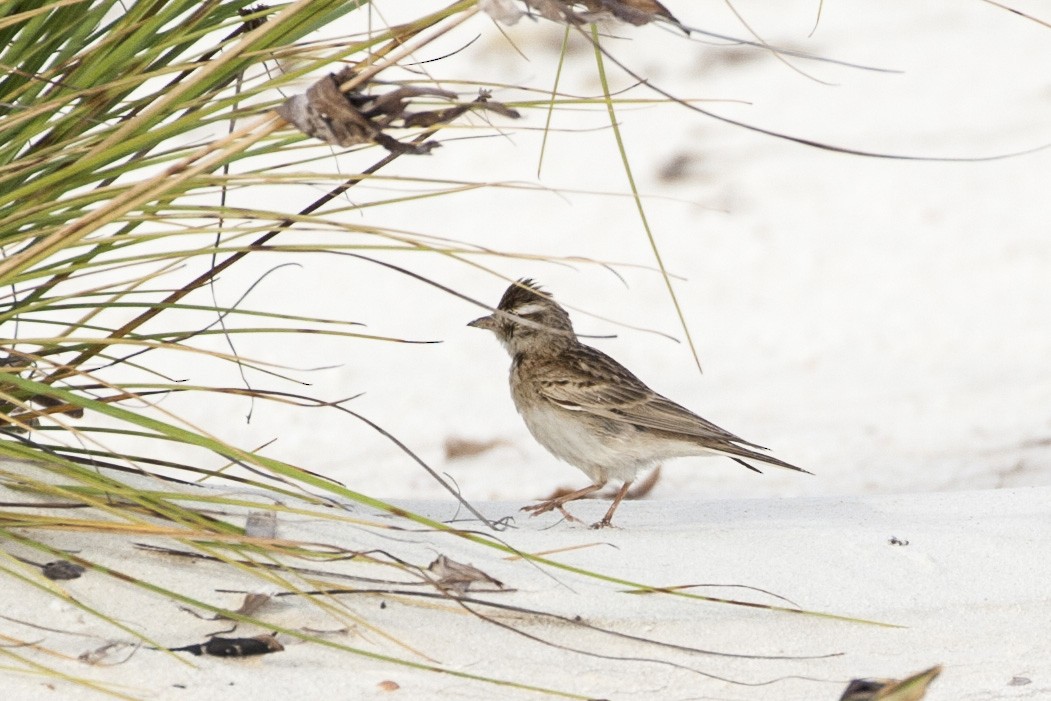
<point>736,453</point>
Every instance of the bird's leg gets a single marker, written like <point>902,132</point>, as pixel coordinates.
<point>558,502</point>
<point>607,520</point>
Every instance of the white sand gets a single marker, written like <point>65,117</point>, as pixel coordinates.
<point>967,591</point>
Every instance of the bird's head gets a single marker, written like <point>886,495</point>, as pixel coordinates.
<point>527,318</point>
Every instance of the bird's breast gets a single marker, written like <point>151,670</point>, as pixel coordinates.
<point>602,449</point>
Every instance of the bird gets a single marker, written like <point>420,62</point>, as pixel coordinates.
<point>590,411</point>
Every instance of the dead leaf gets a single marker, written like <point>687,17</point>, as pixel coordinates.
<point>636,12</point>
<point>458,448</point>
<point>638,490</point>
<point>388,685</point>
<point>555,10</point>
<point>101,654</point>
<point>911,688</point>
<point>352,118</point>
<point>249,605</point>
<point>53,402</point>
<point>252,603</point>
<point>457,577</point>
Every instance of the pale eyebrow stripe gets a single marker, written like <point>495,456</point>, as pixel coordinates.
<point>527,309</point>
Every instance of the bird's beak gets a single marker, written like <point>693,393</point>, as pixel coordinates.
<point>484,322</point>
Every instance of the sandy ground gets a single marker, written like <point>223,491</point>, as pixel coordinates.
<point>881,322</point>
<point>955,578</point>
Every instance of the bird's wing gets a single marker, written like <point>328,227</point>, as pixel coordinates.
<point>588,380</point>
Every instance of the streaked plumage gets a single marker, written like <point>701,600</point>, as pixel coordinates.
<point>589,410</point>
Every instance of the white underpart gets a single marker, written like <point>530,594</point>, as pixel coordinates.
<point>618,454</point>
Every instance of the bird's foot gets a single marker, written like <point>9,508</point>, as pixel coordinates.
<point>550,505</point>
<point>607,522</point>
<point>561,500</point>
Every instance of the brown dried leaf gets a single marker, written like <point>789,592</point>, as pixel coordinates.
<point>391,105</point>
<point>457,448</point>
<point>103,653</point>
<point>388,685</point>
<point>325,113</point>
<point>643,487</point>
<point>482,102</point>
<point>636,12</point>
<point>51,402</point>
<point>911,688</point>
<point>556,11</point>
<point>457,577</point>
<point>252,603</point>
<point>348,119</point>
<point>638,490</point>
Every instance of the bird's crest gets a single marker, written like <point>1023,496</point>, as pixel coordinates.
<point>522,292</point>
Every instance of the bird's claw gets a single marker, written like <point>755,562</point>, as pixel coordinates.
<point>550,505</point>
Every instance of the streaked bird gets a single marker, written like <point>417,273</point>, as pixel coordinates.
<point>589,410</point>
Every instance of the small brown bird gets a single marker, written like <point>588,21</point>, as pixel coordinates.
<point>589,410</point>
